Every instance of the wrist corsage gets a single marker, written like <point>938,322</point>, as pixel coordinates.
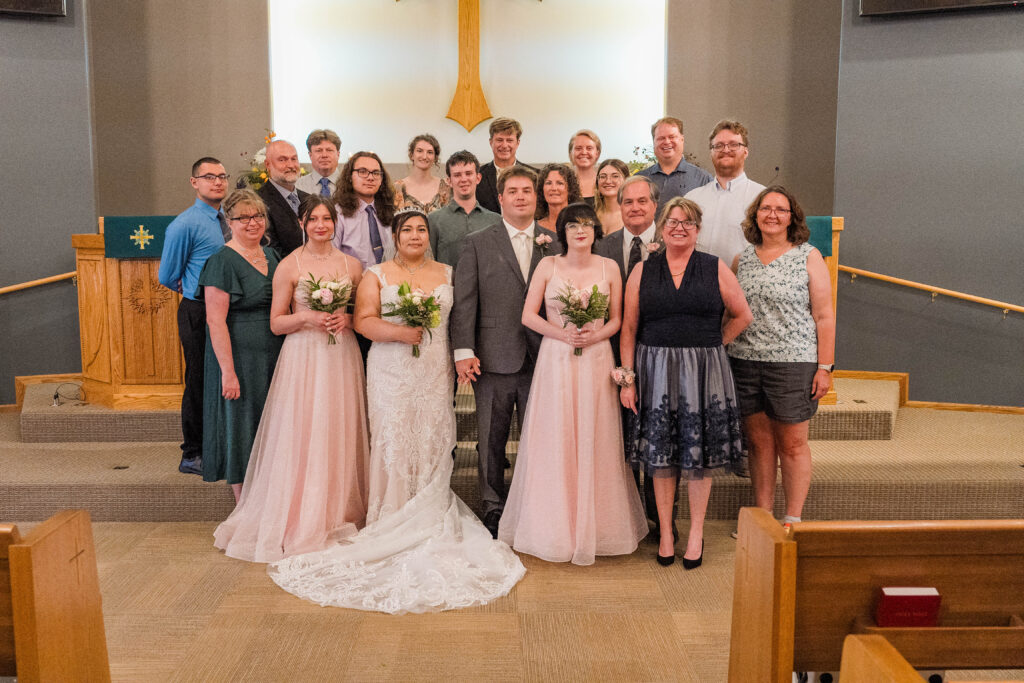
<point>624,377</point>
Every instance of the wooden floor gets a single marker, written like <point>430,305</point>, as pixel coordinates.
<point>178,610</point>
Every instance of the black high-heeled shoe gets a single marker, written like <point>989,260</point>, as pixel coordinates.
<point>666,561</point>
<point>693,564</point>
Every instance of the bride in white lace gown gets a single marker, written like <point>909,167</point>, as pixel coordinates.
<point>422,549</point>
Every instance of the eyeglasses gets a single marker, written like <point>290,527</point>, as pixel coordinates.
<point>245,220</point>
<point>210,177</point>
<point>731,146</point>
<point>365,173</point>
<point>687,224</point>
<point>771,209</point>
<point>576,227</point>
<point>609,176</point>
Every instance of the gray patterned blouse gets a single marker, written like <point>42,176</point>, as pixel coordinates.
<point>779,297</point>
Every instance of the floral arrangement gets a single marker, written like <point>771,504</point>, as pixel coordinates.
<point>581,306</point>
<point>327,296</point>
<point>624,377</point>
<point>542,243</point>
<point>416,309</point>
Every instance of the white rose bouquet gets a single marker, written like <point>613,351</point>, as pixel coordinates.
<point>327,296</point>
<point>416,309</point>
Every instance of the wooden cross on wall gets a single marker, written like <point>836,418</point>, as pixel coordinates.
<point>469,106</point>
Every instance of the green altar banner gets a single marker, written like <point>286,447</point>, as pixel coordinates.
<point>135,236</point>
<point>821,233</point>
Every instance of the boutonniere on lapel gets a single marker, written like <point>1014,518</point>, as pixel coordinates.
<point>653,247</point>
<point>542,243</point>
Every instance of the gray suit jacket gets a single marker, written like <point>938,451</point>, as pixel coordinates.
<point>489,295</point>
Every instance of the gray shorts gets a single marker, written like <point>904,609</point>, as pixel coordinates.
<point>780,390</point>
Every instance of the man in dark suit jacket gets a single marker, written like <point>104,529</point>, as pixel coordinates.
<point>282,197</point>
<point>629,247</point>
<point>492,347</point>
<point>504,141</point>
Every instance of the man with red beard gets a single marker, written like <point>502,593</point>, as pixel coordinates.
<point>725,199</point>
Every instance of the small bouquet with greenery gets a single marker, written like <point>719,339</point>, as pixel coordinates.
<point>327,296</point>
<point>581,306</point>
<point>416,309</point>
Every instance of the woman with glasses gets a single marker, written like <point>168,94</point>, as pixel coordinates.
<point>307,476</point>
<point>685,420</point>
<point>241,350</point>
<point>572,496</point>
<point>783,361</point>
<point>610,176</point>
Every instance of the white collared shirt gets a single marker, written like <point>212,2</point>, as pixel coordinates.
<point>647,236</point>
<point>724,209</point>
<point>311,182</point>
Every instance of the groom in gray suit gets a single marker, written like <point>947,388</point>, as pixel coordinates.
<point>492,347</point>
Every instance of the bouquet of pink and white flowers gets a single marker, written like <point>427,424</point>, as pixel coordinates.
<point>581,306</point>
<point>416,308</point>
<point>327,296</point>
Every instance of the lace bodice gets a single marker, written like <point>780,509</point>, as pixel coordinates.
<point>444,293</point>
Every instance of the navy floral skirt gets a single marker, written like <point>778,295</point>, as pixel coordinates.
<point>689,418</point>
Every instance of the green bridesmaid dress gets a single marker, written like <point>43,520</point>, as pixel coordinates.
<point>229,427</point>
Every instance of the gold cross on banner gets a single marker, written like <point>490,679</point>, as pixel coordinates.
<point>469,106</point>
<point>141,237</point>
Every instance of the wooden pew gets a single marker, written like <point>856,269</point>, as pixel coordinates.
<point>799,592</point>
<point>873,659</point>
<point>51,617</point>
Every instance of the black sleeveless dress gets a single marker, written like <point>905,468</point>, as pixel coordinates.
<point>689,418</point>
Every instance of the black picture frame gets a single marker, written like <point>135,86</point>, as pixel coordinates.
<point>870,8</point>
<point>40,8</point>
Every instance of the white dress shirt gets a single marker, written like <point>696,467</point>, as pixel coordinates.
<point>311,182</point>
<point>647,236</point>
<point>724,209</point>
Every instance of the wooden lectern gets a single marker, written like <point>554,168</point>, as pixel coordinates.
<point>131,356</point>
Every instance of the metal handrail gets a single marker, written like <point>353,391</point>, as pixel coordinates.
<point>41,281</point>
<point>935,291</point>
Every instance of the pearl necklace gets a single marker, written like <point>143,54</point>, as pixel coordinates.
<point>399,261</point>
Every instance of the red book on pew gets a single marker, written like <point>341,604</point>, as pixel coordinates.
<point>907,606</point>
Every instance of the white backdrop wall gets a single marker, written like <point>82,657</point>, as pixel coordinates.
<point>555,66</point>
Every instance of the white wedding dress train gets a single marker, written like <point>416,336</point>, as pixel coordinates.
<point>422,549</point>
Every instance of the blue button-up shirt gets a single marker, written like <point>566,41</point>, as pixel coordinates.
<point>191,238</point>
<point>686,177</point>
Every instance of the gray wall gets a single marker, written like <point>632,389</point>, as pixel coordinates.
<point>929,178</point>
<point>47,189</point>
<point>772,66</point>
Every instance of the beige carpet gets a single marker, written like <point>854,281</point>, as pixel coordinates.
<point>177,610</point>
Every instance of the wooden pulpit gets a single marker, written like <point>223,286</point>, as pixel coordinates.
<point>131,356</point>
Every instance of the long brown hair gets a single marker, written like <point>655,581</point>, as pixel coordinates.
<point>348,201</point>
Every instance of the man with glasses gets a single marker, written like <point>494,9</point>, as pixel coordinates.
<point>725,199</point>
<point>191,238</point>
<point>282,197</point>
<point>673,175</point>
<point>367,207</point>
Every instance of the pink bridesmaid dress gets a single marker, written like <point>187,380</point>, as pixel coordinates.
<point>572,495</point>
<point>306,484</point>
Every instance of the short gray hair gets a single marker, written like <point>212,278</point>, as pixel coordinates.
<point>639,179</point>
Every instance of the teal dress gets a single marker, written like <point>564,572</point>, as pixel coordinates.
<point>229,427</point>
